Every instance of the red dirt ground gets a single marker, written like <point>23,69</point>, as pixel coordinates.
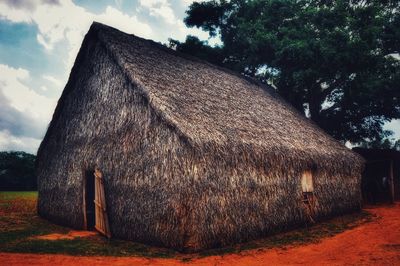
<point>71,235</point>
<point>374,243</point>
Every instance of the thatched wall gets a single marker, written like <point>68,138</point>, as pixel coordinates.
<point>134,149</point>
<point>167,187</point>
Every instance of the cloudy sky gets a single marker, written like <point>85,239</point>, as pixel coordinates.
<point>39,40</point>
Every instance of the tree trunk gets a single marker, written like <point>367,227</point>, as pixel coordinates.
<point>315,103</point>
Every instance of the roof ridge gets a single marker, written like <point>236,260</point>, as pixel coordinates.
<point>97,27</point>
<point>266,87</point>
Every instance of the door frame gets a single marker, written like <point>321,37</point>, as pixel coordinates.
<point>84,183</point>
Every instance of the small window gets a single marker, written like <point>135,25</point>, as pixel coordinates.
<point>307,182</point>
<point>309,199</point>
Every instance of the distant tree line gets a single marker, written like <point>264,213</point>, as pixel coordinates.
<point>17,171</point>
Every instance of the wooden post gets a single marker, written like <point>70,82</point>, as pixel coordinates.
<point>391,180</point>
<point>85,227</point>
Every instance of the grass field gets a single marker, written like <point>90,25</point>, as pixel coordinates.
<point>20,226</point>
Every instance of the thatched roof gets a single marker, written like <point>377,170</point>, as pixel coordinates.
<point>210,106</point>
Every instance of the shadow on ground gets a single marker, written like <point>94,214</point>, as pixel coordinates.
<point>22,231</point>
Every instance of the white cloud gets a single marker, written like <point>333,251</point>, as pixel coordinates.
<point>66,22</point>
<point>115,18</point>
<point>13,14</point>
<point>43,42</point>
<point>118,3</point>
<point>53,80</point>
<point>394,126</point>
<point>69,22</point>
<point>8,142</point>
<point>24,113</point>
<point>21,97</point>
<point>395,56</point>
<point>188,2</point>
<point>161,8</point>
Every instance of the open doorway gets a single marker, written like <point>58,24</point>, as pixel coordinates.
<point>94,203</point>
<point>89,205</point>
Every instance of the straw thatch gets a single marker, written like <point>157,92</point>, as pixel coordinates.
<point>193,156</point>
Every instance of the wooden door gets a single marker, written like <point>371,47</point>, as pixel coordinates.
<point>101,224</point>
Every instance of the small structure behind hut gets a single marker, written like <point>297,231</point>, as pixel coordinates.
<point>381,177</point>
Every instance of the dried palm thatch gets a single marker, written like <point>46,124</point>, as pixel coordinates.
<point>193,156</point>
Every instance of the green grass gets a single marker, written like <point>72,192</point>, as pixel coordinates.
<point>20,225</point>
<point>11,195</point>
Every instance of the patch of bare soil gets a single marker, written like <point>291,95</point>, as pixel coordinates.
<point>373,243</point>
<point>70,235</point>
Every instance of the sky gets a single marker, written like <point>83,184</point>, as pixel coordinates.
<point>39,40</point>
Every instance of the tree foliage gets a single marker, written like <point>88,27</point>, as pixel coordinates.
<point>17,171</point>
<point>199,49</point>
<point>333,60</point>
<point>382,144</point>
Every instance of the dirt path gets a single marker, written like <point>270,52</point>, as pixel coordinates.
<point>374,243</point>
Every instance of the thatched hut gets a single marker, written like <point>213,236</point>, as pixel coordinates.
<point>192,155</point>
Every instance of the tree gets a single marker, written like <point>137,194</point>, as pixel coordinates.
<point>17,171</point>
<point>335,61</point>
<point>199,49</point>
<point>384,143</point>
